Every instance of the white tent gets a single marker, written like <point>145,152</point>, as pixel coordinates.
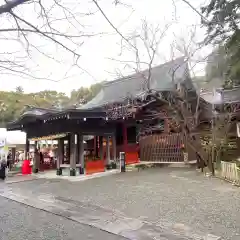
<point>12,138</point>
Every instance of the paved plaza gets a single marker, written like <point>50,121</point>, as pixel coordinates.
<point>174,203</point>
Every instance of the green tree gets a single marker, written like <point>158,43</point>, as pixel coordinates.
<point>223,22</point>
<point>94,90</point>
<point>85,94</point>
<point>12,104</point>
<point>217,64</point>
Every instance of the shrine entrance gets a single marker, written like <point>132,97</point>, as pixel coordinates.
<point>162,148</point>
<point>45,151</point>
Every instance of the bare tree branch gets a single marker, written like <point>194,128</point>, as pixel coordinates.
<point>112,25</point>
<point>9,5</point>
<point>195,10</point>
<point>43,32</point>
<point>66,29</point>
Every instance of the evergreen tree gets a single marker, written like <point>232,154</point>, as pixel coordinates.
<point>223,28</point>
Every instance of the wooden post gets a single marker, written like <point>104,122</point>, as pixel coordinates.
<point>107,151</point>
<point>77,150</point>
<point>36,159</point>
<point>101,148</point>
<point>68,152</point>
<point>26,147</point>
<point>114,148</point>
<point>81,153</point>
<point>96,147</point>
<point>60,155</point>
<point>124,129</point>
<point>73,148</point>
<point>13,157</point>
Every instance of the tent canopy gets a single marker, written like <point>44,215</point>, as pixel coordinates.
<point>12,138</point>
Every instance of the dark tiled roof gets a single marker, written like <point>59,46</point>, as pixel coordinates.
<point>221,96</point>
<point>133,85</point>
<point>212,91</point>
<point>231,96</point>
<point>37,111</point>
<point>33,114</point>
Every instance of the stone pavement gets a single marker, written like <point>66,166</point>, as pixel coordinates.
<point>20,178</point>
<point>20,222</point>
<point>171,203</point>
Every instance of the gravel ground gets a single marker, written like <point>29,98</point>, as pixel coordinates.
<point>176,197</point>
<point>20,222</point>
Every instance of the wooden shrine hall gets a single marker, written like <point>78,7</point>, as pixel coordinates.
<point>70,126</point>
<point>117,118</point>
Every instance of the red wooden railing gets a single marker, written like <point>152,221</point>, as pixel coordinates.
<point>95,166</point>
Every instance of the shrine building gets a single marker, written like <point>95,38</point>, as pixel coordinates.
<point>123,114</point>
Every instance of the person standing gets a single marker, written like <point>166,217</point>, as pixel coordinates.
<point>9,161</point>
<point>3,166</point>
<point>36,161</point>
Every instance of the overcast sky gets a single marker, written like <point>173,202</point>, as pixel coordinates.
<point>96,51</point>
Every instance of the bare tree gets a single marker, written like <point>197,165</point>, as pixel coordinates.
<point>30,27</point>
<point>177,100</point>
<point>143,46</point>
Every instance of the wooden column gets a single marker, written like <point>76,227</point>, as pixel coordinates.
<point>13,157</point>
<point>125,143</point>
<point>107,151</point>
<point>36,159</point>
<point>60,156</point>
<point>13,153</point>
<point>68,149</point>
<point>114,147</point>
<point>101,148</point>
<point>26,147</point>
<point>96,147</point>
<point>77,151</point>
<point>73,148</point>
<point>81,153</point>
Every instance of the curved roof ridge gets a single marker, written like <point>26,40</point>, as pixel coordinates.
<point>132,85</point>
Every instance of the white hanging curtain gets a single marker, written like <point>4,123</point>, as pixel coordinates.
<point>238,129</point>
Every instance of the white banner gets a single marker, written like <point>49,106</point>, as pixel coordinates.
<point>238,129</point>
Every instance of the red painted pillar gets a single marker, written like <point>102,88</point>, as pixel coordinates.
<point>124,129</point>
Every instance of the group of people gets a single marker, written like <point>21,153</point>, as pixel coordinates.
<point>37,158</point>
<point>7,163</point>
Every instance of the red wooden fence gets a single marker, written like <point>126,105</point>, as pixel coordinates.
<point>95,166</point>
<point>161,148</point>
